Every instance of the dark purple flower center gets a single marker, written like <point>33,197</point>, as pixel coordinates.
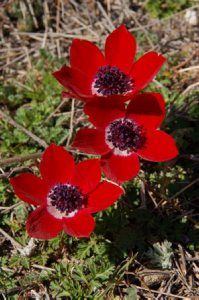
<point>66,198</point>
<point>112,81</point>
<point>125,135</point>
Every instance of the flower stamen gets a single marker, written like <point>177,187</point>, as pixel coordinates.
<point>111,81</point>
<point>125,135</point>
<point>66,198</point>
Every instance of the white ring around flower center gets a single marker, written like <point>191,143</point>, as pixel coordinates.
<point>116,151</point>
<point>56,213</point>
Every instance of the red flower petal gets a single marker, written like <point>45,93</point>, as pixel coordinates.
<point>41,225</point>
<point>91,141</point>
<point>86,57</point>
<point>57,165</point>
<point>102,112</point>
<point>65,94</point>
<point>120,168</point>
<point>147,109</point>
<point>146,68</point>
<point>120,49</point>
<point>87,175</point>
<point>159,147</point>
<point>30,188</point>
<point>118,97</point>
<point>81,225</point>
<point>73,79</point>
<point>104,196</point>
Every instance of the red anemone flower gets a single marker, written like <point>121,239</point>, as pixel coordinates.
<point>66,194</point>
<point>93,75</point>
<point>121,135</point>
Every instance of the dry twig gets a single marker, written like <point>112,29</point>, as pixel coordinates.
<point>12,122</point>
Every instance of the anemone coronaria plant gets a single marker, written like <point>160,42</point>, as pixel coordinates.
<point>122,134</point>
<point>65,195</point>
<point>114,74</point>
